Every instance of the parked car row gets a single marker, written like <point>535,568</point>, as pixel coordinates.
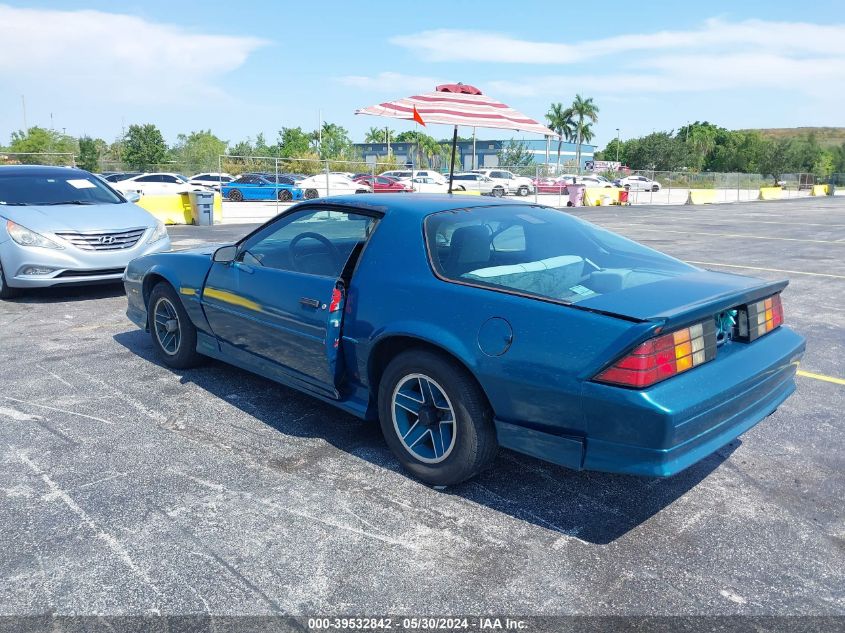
<point>287,187</point>
<point>559,184</point>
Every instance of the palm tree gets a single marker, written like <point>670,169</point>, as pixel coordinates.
<point>561,123</point>
<point>585,112</point>
<point>377,135</point>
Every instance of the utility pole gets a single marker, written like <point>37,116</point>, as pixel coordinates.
<point>320,132</point>
<point>23,105</point>
<point>617,145</point>
<point>387,140</point>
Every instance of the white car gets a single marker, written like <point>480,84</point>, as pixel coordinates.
<point>156,184</point>
<point>321,186</point>
<point>478,182</point>
<point>211,179</point>
<point>638,183</point>
<point>408,174</point>
<point>428,185</point>
<point>594,181</point>
<point>518,185</point>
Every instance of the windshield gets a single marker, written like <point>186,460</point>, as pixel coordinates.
<point>540,251</point>
<point>55,189</point>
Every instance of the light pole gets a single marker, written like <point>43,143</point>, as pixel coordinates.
<point>617,145</point>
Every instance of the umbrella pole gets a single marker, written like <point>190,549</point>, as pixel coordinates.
<point>454,148</point>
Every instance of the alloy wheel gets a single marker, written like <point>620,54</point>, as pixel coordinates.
<point>423,418</point>
<point>166,323</point>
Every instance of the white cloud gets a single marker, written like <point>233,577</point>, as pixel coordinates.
<point>789,38</point>
<point>390,82</point>
<point>802,58</point>
<point>115,57</point>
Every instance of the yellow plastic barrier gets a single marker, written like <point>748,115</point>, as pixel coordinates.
<point>819,190</point>
<point>701,196</point>
<point>595,196</point>
<point>176,208</point>
<point>771,193</point>
<point>467,193</point>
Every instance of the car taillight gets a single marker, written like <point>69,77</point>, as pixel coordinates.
<point>663,357</point>
<point>756,319</point>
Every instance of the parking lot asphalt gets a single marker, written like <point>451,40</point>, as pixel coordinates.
<point>127,487</point>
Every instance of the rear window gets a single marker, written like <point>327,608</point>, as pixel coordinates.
<point>542,252</point>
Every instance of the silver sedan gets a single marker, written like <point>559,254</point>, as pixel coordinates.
<point>61,226</point>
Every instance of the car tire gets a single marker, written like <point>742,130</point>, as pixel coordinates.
<point>310,194</point>
<point>498,192</point>
<point>459,188</point>
<point>235,196</point>
<point>451,393</point>
<point>6,291</point>
<point>174,335</point>
<point>522,191</point>
<point>284,195</point>
<point>655,188</point>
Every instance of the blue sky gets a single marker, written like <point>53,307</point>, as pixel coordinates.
<point>255,66</point>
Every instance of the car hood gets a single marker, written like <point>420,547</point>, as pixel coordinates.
<point>71,217</point>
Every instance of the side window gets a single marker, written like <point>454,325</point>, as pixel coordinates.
<point>170,179</point>
<point>147,179</point>
<point>316,242</point>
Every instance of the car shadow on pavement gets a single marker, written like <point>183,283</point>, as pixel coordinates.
<point>591,506</point>
<point>64,294</point>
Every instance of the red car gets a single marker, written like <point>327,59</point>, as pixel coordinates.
<point>552,185</point>
<point>384,184</point>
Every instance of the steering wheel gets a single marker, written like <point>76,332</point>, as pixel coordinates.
<point>331,248</point>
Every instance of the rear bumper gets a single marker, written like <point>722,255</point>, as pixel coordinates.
<point>663,430</point>
<point>659,432</point>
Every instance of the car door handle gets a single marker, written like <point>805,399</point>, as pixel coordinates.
<point>311,303</point>
<point>244,267</point>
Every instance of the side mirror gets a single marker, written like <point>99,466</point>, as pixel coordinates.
<point>132,196</point>
<point>225,254</point>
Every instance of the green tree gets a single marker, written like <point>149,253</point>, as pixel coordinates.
<point>293,142</point>
<point>379,135</point>
<point>774,158</point>
<point>334,141</point>
<point>584,112</point>
<point>824,165</point>
<point>561,123</point>
<point>515,154</point>
<point>89,154</point>
<point>700,138</point>
<point>427,149</point>
<point>39,140</point>
<point>660,151</point>
<point>199,151</point>
<point>144,146</point>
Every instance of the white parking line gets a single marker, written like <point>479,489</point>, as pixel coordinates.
<point>737,235</point>
<point>773,270</point>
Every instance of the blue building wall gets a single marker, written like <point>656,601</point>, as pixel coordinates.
<point>486,153</point>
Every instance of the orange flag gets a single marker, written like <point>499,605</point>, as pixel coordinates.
<point>418,118</point>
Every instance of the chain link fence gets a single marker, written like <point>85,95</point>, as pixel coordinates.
<point>55,159</point>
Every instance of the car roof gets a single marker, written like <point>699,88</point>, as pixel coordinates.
<point>417,205</point>
<point>40,170</point>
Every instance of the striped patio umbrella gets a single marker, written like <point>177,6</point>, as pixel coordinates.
<point>458,104</point>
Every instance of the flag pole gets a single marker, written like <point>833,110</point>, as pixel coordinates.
<point>452,166</point>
